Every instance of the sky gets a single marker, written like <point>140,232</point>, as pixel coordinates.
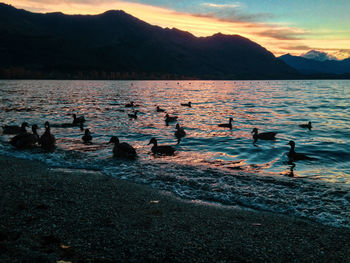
<point>281,26</point>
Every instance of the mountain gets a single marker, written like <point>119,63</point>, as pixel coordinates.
<point>116,45</point>
<point>312,66</point>
<point>318,55</point>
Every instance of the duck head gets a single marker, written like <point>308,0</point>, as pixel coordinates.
<point>87,131</point>
<point>34,128</point>
<point>255,130</point>
<point>47,125</point>
<point>231,119</point>
<point>166,115</point>
<point>114,139</point>
<point>153,141</point>
<point>291,143</point>
<point>24,125</point>
<point>177,126</point>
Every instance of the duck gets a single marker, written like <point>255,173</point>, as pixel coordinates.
<point>187,104</point>
<point>162,149</point>
<point>87,136</point>
<point>131,104</point>
<point>158,109</point>
<point>226,125</point>
<point>122,150</point>
<point>133,115</point>
<point>15,129</point>
<point>170,118</point>
<point>26,140</point>
<point>308,125</point>
<point>293,156</point>
<point>263,135</point>
<point>47,140</point>
<point>179,132</point>
<point>78,120</point>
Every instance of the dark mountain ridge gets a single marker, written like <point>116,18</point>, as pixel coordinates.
<point>312,66</point>
<point>116,45</point>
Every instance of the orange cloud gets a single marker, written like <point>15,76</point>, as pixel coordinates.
<point>279,39</point>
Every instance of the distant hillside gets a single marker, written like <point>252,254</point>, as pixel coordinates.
<point>312,66</point>
<point>115,45</point>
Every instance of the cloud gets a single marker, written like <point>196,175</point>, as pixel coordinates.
<point>229,12</point>
<point>235,17</point>
<point>283,33</point>
<point>212,5</point>
<point>342,53</point>
<point>294,47</point>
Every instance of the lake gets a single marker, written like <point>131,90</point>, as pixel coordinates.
<point>212,164</point>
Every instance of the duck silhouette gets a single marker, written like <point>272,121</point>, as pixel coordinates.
<point>189,104</point>
<point>159,109</point>
<point>133,115</point>
<point>47,140</point>
<point>131,104</point>
<point>161,149</point>
<point>26,140</point>
<point>170,119</point>
<point>122,150</point>
<point>308,125</point>
<point>15,129</point>
<point>179,132</point>
<point>87,136</point>
<point>226,125</point>
<point>78,120</point>
<point>294,156</point>
<point>263,135</point>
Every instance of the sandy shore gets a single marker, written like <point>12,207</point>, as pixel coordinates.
<point>48,216</point>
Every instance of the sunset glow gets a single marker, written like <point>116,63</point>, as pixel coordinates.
<point>278,37</point>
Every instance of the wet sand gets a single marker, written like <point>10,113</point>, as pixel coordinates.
<point>50,215</point>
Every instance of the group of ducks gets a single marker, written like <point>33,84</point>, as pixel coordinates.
<point>47,141</point>
<point>24,139</point>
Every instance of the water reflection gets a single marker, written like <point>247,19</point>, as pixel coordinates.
<point>267,105</point>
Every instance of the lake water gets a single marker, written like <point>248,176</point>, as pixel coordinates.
<point>211,164</point>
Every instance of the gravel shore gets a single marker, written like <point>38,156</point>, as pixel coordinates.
<point>51,215</point>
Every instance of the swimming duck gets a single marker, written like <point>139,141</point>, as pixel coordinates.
<point>130,105</point>
<point>159,109</point>
<point>35,134</point>
<point>309,126</point>
<point>78,120</point>
<point>180,132</point>
<point>293,156</point>
<point>133,115</point>
<point>87,136</point>
<point>26,140</point>
<point>162,149</point>
<point>47,140</point>
<point>226,125</point>
<point>15,129</point>
<point>263,135</point>
<point>170,118</point>
<point>187,104</point>
<point>122,150</point>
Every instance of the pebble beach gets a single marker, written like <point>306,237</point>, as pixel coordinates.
<point>57,215</point>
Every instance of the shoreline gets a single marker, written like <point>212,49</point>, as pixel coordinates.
<point>48,215</point>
